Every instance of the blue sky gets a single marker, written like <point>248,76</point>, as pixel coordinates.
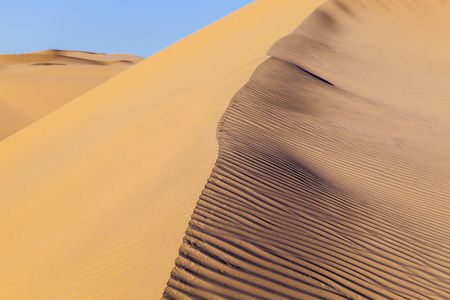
<point>137,27</point>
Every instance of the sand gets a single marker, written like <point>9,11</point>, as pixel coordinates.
<point>35,84</point>
<point>327,174</point>
<point>96,197</point>
<point>332,180</point>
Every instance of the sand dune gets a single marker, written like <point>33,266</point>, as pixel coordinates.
<point>35,84</point>
<point>331,179</point>
<point>333,175</point>
<point>95,198</point>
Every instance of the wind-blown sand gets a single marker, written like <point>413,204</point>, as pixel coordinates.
<point>333,176</point>
<point>34,84</point>
<point>95,198</point>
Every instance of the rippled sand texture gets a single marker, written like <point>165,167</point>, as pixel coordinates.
<point>333,176</point>
<point>95,197</point>
<point>33,85</point>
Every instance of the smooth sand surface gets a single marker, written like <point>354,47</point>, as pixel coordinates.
<point>34,84</point>
<point>333,177</point>
<point>95,198</point>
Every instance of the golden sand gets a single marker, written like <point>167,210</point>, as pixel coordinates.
<point>35,84</point>
<point>333,175</point>
<point>96,196</point>
<point>330,179</point>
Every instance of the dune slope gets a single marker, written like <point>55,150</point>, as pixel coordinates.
<point>333,175</point>
<point>35,84</point>
<point>95,197</point>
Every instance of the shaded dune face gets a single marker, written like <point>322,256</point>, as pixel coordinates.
<point>332,179</point>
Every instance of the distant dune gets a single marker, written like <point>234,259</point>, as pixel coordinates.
<point>327,175</point>
<point>34,84</point>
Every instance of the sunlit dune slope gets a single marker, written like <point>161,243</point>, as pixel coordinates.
<point>96,196</point>
<point>333,176</point>
<point>34,84</point>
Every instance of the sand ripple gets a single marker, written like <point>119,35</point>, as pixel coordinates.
<point>332,180</point>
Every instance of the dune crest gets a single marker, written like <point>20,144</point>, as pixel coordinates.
<point>333,175</point>
<point>27,58</point>
<point>64,56</point>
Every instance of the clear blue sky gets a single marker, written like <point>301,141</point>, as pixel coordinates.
<point>137,27</point>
